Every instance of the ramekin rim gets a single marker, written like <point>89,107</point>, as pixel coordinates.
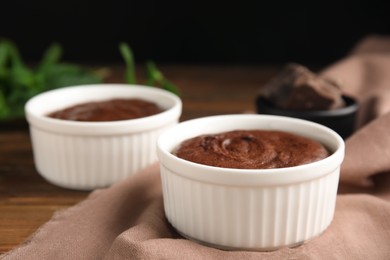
<point>44,119</point>
<point>338,153</point>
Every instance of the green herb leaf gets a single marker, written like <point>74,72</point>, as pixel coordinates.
<point>3,59</point>
<point>155,77</point>
<point>3,54</point>
<point>128,56</point>
<point>153,73</point>
<point>18,82</point>
<point>64,74</point>
<point>51,57</point>
<point>4,109</point>
<point>167,85</point>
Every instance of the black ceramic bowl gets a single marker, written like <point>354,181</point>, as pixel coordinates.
<point>342,120</point>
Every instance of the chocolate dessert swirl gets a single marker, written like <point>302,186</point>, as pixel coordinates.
<point>251,149</point>
<point>108,110</point>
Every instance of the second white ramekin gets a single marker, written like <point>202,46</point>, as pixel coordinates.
<point>89,155</point>
<point>249,209</point>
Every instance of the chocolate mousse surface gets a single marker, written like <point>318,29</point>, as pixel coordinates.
<point>298,88</point>
<point>108,110</point>
<point>251,149</point>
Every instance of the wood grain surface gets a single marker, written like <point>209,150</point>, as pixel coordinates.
<point>27,201</point>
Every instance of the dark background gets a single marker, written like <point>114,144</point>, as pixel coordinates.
<point>228,32</point>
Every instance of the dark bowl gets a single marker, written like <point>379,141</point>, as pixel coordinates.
<point>342,120</point>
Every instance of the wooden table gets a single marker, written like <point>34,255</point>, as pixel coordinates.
<point>27,200</point>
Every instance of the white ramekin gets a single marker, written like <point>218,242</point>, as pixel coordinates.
<point>89,155</point>
<point>249,209</point>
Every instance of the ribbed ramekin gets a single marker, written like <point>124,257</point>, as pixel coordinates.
<point>249,209</point>
<point>89,155</point>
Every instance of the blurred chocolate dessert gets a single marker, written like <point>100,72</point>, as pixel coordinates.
<point>108,110</point>
<point>298,92</point>
<point>298,88</point>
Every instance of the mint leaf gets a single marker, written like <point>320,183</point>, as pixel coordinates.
<point>155,77</point>
<point>128,56</point>
<point>19,82</point>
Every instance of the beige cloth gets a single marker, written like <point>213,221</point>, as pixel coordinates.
<point>127,220</point>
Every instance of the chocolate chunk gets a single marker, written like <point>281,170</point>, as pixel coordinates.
<point>297,88</point>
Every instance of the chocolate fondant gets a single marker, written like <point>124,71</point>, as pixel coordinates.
<point>251,149</point>
<point>109,110</point>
